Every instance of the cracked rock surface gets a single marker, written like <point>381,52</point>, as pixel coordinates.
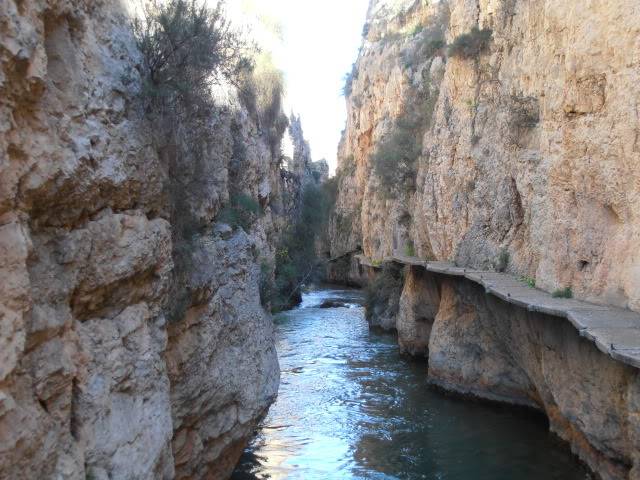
<point>127,349</point>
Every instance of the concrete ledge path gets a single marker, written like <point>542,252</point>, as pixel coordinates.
<point>614,331</point>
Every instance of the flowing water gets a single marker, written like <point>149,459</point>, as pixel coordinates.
<point>350,407</point>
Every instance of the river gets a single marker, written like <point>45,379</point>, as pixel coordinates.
<point>350,407</point>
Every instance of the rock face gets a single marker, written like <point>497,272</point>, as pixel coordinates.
<point>302,165</point>
<point>419,305</point>
<point>221,362</point>
<point>529,150</point>
<point>527,163</point>
<point>480,345</point>
<point>130,345</point>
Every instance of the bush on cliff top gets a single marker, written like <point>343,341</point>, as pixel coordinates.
<point>262,93</point>
<point>472,44</point>
<point>188,47</point>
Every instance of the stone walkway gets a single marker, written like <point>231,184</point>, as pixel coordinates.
<point>615,331</point>
<point>368,262</point>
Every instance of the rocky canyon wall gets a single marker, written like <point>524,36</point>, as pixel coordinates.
<point>528,143</point>
<point>478,344</point>
<point>132,339</point>
<point>501,136</point>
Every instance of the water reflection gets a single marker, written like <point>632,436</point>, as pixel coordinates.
<point>350,407</point>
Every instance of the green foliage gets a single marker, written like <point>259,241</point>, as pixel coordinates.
<point>502,261</point>
<point>409,249</point>
<point>331,187</point>
<point>349,77</point>
<point>266,283</point>
<point>346,168</point>
<point>472,44</point>
<point>187,47</point>
<point>530,281</point>
<point>431,42</point>
<point>392,37</point>
<point>524,111</point>
<point>382,295</point>
<point>296,259</point>
<point>262,92</point>
<point>563,293</point>
<point>242,211</point>
<point>395,157</point>
<point>417,29</point>
<point>433,46</point>
<point>394,160</point>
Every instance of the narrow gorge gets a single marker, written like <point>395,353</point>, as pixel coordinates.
<point>160,209</point>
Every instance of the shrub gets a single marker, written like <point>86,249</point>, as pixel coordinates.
<point>349,77</point>
<point>563,293</point>
<point>431,47</point>
<point>346,168</point>
<point>395,157</point>
<point>188,47</point>
<point>410,249</point>
<point>262,92</point>
<point>296,258</point>
<point>431,42</point>
<point>382,295</point>
<point>524,111</point>
<point>472,44</point>
<point>331,187</point>
<point>394,160</point>
<point>242,211</point>
<point>266,283</point>
<point>502,262</point>
<point>530,281</point>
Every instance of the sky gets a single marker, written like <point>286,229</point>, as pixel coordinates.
<point>318,42</point>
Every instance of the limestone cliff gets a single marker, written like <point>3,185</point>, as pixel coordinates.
<point>132,339</point>
<point>482,345</point>
<point>528,149</point>
<point>302,164</point>
<point>502,136</point>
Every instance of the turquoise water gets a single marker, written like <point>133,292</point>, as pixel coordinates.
<point>350,407</point>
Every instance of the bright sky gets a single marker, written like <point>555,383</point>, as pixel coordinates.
<point>319,43</point>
